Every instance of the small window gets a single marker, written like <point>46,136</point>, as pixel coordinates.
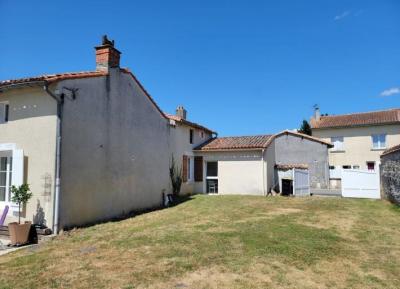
<point>212,169</point>
<point>202,134</point>
<point>4,110</point>
<point>371,166</point>
<point>337,142</point>
<point>331,167</point>
<point>356,167</point>
<point>191,136</point>
<point>379,141</point>
<point>346,167</point>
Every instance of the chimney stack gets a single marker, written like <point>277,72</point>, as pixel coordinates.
<point>107,56</point>
<point>181,112</point>
<point>317,113</point>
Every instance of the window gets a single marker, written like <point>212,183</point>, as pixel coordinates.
<point>202,134</point>
<point>5,178</point>
<point>379,141</point>
<point>337,142</point>
<point>331,167</point>
<point>212,177</point>
<point>371,166</point>
<point>356,167</point>
<point>191,136</point>
<point>212,169</point>
<point>346,167</point>
<point>4,110</point>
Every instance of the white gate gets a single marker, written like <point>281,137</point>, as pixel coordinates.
<point>301,183</point>
<point>361,184</point>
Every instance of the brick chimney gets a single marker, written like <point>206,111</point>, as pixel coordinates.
<point>181,112</point>
<point>107,56</point>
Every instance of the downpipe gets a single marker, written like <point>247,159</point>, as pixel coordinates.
<point>56,202</point>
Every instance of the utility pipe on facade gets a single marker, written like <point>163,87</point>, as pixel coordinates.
<point>56,202</point>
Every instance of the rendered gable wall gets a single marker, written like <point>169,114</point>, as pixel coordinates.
<point>115,151</point>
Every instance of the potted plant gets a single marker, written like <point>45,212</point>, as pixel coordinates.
<point>19,233</point>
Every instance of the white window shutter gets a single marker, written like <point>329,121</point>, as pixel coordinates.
<point>17,177</point>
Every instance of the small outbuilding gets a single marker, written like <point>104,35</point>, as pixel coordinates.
<point>260,164</point>
<point>390,174</point>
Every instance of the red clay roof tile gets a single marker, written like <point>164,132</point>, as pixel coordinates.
<point>250,142</point>
<point>358,119</point>
<point>52,77</point>
<point>391,150</point>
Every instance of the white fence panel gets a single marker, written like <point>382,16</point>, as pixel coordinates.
<point>361,184</point>
<point>301,183</point>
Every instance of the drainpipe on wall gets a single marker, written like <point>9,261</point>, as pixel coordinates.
<point>56,203</point>
<point>263,170</point>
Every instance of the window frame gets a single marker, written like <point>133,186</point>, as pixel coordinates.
<point>379,141</point>
<point>336,139</point>
<point>6,112</point>
<point>9,173</point>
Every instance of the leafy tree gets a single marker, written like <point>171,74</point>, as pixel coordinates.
<point>21,196</point>
<point>305,128</point>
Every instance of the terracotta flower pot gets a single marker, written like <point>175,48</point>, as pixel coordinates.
<point>19,233</point>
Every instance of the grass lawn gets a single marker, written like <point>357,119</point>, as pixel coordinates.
<point>224,242</point>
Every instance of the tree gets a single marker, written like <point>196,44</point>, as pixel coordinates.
<point>21,196</point>
<point>305,128</point>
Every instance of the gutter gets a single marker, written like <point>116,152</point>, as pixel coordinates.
<point>56,203</point>
<point>263,169</point>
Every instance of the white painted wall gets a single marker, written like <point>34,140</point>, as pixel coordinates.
<point>239,172</point>
<point>357,144</point>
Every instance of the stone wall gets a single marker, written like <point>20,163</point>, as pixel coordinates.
<point>390,176</point>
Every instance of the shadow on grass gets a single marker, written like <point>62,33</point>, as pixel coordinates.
<point>176,201</point>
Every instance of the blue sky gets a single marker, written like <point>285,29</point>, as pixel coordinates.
<point>239,67</point>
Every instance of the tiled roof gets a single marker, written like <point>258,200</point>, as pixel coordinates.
<point>391,150</point>
<point>189,123</point>
<point>358,119</point>
<point>236,143</point>
<point>52,77</point>
<point>250,142</point>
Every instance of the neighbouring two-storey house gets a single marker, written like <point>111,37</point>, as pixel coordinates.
<point>359,139</point>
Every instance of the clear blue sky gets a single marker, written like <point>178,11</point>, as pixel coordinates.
<point>239,67</point>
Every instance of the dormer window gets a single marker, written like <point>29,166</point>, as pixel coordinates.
<point>4,109</point>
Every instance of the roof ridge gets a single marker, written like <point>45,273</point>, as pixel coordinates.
<point>255,135</point>
<point>365,112</point>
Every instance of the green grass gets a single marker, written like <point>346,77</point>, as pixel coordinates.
<point>224,242</point>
